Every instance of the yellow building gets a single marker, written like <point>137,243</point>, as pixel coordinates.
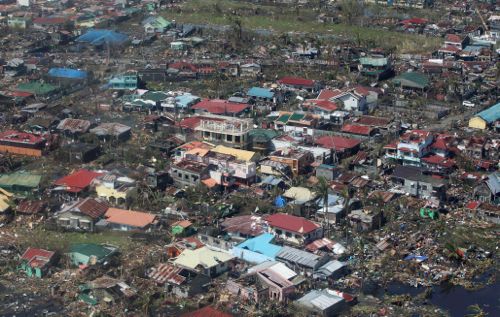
<point>5,200</point>
<point>486,118</point>
<point>114,189</point>
<point>244,155</point>
<point>477,123</point>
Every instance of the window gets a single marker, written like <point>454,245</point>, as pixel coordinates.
<point>186,176</point>
<point>288,234</point>
<point>279,232</point>
<point>424,187</point>
<point>229,138</point>
<point>237,139</point>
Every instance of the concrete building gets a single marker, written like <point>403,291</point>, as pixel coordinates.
<point>228,131</point>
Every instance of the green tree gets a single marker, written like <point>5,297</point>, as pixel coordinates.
<point>322,188</point>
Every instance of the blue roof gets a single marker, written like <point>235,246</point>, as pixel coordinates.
<point>186,100</point>
<point>67,73</point>
<point>260,92</point>
<point>99,37</point>
<point>261,244</point>
<point>491,114</point>
<point>271,180</point>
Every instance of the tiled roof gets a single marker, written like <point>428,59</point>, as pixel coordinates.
<point>218,106</point>
<point>357,129</point>
<point>292,223</point>
<point>31,206</point>
<point>296,81</point>
<point>453,38</point>
<point>91,207</point>
<point>336,142</point>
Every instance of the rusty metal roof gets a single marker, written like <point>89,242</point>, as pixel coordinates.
<point>167,273</point>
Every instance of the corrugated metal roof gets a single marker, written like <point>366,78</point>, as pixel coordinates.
<point>164,273</point>
<point>491,114</point>
<point>298,256</point>
<point>260,92</point>
<point>67,73</point>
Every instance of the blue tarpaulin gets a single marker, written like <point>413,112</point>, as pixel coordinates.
<point>279,202</point>
<point>67,73</point>
<point>418,258</point>
<point>99,37</point>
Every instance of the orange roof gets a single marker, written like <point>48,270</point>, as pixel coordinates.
<point>129,217</point>
<point>210,182</point>
<point>182,223</point>
<point>198,151</point>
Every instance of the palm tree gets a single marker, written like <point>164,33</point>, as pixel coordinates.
<point>322,188</point>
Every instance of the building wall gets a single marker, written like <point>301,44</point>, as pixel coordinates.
<point>250,256</point>
<point>20,150</point>
<point>295,238</point>
<point>180,180</point>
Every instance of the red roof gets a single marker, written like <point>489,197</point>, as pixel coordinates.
<point>327,93</point>
<point>473,205</point>
<point>90,207</point>
<point>357,129</point>
<point>183,66</point>
<point>440,144</point>
<point>449,48</point>
<point>393,145</point>
<point>414,21</point>
<point>19,94</point>
<point>373,121</point>
<point>336,142</point>
<point>292,223</point>
<point>439,160</point>
<point>20,137</point>
<point>190,122</point>
<point>207,311</point>
<point>453,38</point>
<point>218,106</point>
<point>37,257</point>
<point>78,180</point>
<point>32,252</point>
<point>323,104</point>
<point>296,81</point>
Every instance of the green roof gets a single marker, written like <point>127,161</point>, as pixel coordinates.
<point>284,118</point>
<point>371,61</point>
<point>36,88</point>
<point>412,79</point>
<point>154,96</point>
<point>263,134</point>
<point>297,116</point>
<point>20,179</point>
<point>91,249</point>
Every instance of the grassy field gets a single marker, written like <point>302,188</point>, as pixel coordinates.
<point>287,19</point>
<point>52,240</point>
